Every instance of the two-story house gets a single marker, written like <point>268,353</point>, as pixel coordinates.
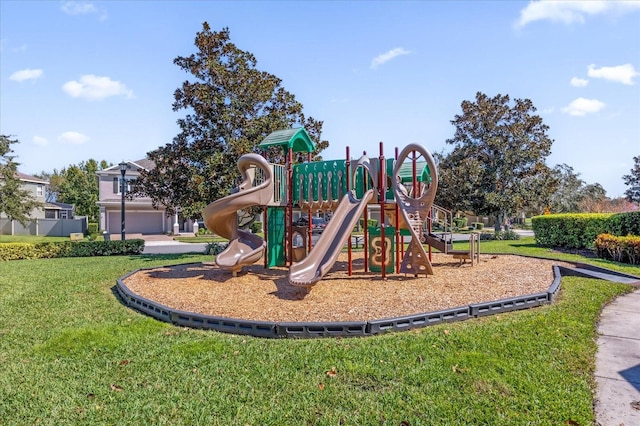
<point>140,216</point>
<point>37,189</point>
<point>43,220</point>
<point>49,210</point>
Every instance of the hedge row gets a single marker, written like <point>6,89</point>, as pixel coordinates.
<point>620,249</point>
<point>16,251</point>
<point>575,231</point>
<point>623,224</point>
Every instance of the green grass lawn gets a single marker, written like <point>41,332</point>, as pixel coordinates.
<point>71,353</point>
<point>527,246</point>
<point>39,239</point>
<point>30,239</point>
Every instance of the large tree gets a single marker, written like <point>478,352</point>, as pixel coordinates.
<point>593,198</point>
<point>55,180</point>
<point>77,185</point>
<point>632,180</point>
<point>497,164</point>
<point>567,196</point>
<point>15,201</point>
<point>231,107</point>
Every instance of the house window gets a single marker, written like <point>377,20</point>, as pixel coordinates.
<point>63,214</point>
<point>39,191</point>
<point>117,182</point>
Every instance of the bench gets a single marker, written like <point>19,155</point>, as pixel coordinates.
<point>461,255</point>
<point>76,236</point>
<point>357,240</point>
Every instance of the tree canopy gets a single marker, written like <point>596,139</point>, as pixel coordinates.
<point>566,198</point>
<point>573,195</point>
<point>497,164</point>
<point>77,185</point>
<point>15,201</point>
<point>632,180</point>
<point>231,107</point>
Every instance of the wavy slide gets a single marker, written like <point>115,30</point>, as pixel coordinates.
<point>221,216</point>
<point>312,268</point>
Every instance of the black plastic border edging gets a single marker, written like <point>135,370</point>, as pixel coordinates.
<point>332,329</point>
<point>555,285</point>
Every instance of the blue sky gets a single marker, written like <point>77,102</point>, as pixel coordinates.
<point>82,80</point>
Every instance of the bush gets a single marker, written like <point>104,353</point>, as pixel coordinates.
<point>623,224</point>
<point>372,223</point>
<point>215,248</point>
<point>92,228</point>
<point>576,231</point>
<point>106,248</point>
<point>17,251</point>
<point>256,227</point>
<point>52,250</point>
<point>477,225</point>
<point>625,249</point>
<point>203,230</point>
<point>459,222</point>
<point>500,235</point>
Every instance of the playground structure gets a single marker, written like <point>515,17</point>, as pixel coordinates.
<point>401,190</point>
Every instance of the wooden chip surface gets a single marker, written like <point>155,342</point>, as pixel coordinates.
<point>266,295</point>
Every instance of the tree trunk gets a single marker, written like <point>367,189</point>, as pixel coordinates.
<point>497,227</point>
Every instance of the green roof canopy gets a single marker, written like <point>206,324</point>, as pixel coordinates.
<point>296,139</point>
<point>422,172</point>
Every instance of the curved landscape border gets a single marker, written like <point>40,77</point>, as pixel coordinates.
<point>334,329</point>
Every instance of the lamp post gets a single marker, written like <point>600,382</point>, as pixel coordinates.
<point>123,171</point>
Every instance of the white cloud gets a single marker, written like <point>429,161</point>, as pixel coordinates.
<point>568,12</point>
<point>74,8</point>
<point>581,106</point>
<point>579,82</point>
<point>27,74</point>
<point>40,141</point>
<point>621,74</point>
<point>96,88</point>
<point>387,56</point>
<point>73,138</point>
<point>78,7</point>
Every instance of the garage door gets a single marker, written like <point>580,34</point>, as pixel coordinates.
<point>137,222</point>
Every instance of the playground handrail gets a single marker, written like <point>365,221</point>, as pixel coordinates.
<point>279,172</point>
<point>444,218</point>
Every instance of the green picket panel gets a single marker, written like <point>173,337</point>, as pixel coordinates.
<point>275,236</point>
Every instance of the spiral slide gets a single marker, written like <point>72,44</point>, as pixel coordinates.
<point>221,216</point>
<point>312,268</point>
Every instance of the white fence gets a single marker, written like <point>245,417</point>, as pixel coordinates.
<point>44,227</point>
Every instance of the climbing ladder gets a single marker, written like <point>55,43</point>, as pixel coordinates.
<point>442,218</point>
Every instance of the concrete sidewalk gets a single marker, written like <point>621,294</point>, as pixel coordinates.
<point>165,244</point>
<point>618,363</point>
